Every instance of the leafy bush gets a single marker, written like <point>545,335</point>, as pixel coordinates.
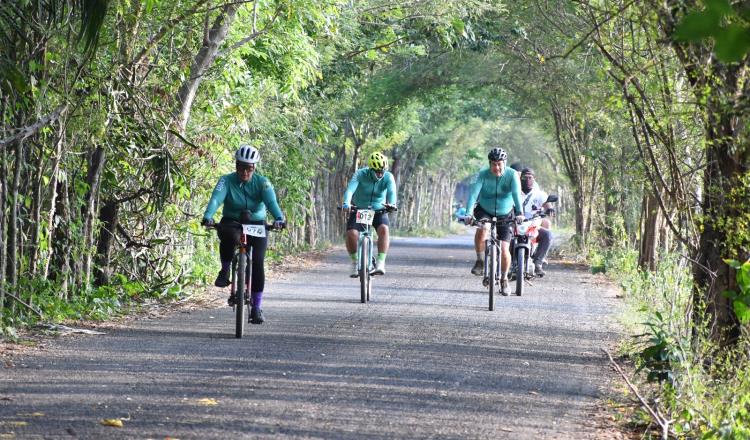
<point>703,390</point>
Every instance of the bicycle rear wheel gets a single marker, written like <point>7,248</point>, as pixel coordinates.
<point>520,269</point>
<point>364,269</point>
<point>492,273</point>
<point>239,297</point>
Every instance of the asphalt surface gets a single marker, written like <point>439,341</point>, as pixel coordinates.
<point>424,359</point>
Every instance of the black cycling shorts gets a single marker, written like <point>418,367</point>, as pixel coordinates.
<point>381,218</point>
<point>504,223</point>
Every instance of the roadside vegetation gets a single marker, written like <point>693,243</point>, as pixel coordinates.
<point>118,116</point>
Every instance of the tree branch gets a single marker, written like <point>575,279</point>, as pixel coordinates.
<point>25,132</point>
<point>654,413</point>
<point>357,52</point>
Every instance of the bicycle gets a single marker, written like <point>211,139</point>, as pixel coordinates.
<point>242,270</point>
<point>491,277</point>
<point>365,255</point>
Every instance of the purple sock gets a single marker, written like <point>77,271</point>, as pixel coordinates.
<point>257,298</point>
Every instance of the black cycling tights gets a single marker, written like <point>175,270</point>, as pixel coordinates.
<point>230,239</point>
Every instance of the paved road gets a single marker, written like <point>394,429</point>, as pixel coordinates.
<point>424,359</point>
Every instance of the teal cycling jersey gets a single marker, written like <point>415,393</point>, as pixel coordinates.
<point>496,194</point>
<point>254,195</point>
<point>365,189</point>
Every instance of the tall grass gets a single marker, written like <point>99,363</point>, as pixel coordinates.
<point>704,392</point>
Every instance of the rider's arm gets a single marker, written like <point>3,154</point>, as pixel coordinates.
<point>353,183</point>
<point>269,199</point>
<point>515,190</point>
<point>390,194</point>
<point>217,198</point>
<point>476,187</point>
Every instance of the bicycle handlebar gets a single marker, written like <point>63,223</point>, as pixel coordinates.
<point>388,208</point>
<point>234,224</point>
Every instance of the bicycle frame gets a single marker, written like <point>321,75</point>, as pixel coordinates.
<point>241,273</point>
<point>365,240</point>
<point>366,249</point>
<point>491,243</point>
<point>492,257</point>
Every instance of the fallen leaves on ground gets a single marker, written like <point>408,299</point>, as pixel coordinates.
<point>117,423</point>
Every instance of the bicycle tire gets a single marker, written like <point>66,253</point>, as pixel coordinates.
<point>248,281</point>
<point>520,269</point>
<point>491,253</point>
<point>239,297</point>
<point>369,277</point>
<point>364,269</point>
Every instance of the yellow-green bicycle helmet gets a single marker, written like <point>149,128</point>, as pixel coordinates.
<point>377,161</point>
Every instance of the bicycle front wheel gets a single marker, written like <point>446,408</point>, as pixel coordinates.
<point>492,273</point>
<point>239,297</point>
<point>364,269</point>
<point>520,269</point>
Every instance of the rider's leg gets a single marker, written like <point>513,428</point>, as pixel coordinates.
<point>504,234</point>
<point>479,238</point>
<point>258,279</point>
<point>383,245</point>
<point>229,238</point>
<point>352,237</point>
<point>544,242</point>
<point>504,258</point>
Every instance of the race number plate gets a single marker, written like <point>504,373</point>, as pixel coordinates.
<point>254,230</point>
<point>365,216</point>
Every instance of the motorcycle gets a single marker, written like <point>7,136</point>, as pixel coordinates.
<point>523,244</point>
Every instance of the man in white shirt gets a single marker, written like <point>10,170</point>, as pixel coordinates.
<point>533,199</point>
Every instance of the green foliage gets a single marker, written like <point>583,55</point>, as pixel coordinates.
<point>720,21</point>
<point>660,352</point>
<point>706,392</point>
<point>740,300</point>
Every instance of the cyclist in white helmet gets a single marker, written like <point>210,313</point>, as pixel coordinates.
<point>244,190</point>
<point>497,194</point>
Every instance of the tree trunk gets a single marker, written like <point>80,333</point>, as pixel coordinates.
<point>109,221</point>
<point>723,90</point>
<point>726,191</point>
<point>51,223</point>
<point>36,214</point>
<point>13,229</point>
<point>3,230</point>
<point>202,62</point>
<point>93,178</point>
<point>649,233</point>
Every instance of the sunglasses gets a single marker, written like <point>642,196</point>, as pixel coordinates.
<point>245,167</point>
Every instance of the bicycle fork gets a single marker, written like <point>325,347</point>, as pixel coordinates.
<point>365,241</point>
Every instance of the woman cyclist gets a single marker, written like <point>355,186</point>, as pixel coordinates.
<point>244,190</point>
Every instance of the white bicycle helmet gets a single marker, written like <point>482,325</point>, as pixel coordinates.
<point>496,154</point>
<point>247,154</point>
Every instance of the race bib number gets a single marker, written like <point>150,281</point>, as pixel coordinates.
<point>365,216</point>
<point>254,230</point>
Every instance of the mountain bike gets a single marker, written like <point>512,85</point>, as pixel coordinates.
<point>491,277</point>
<point>242,270</point>
<point>365,248</point>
